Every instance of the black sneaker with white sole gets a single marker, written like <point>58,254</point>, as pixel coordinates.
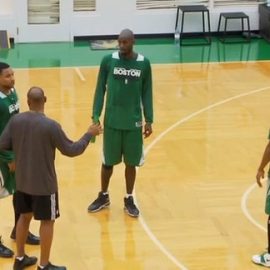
<point>101,202</point>
<point>25,262</point>
<point>130,207</point>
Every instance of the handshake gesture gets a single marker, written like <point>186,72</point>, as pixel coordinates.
<point>95,129</point>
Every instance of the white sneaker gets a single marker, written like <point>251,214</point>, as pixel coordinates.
<point>263,259</point>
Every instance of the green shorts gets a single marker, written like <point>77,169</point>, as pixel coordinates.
<point>123,145</point>
<point>267,201</point>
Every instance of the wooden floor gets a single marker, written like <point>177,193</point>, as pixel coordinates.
<point>199,207</point>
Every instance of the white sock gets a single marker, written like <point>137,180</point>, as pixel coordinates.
<point>20,258</point>
<point>105,193</point>
<point>128,195</point>
<point>42,267</point>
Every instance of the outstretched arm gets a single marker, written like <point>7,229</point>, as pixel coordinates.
<point>70,148</point>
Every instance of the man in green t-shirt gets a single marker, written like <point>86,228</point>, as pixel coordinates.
<point>126,78</point>
<point>9,106</point>
<point>264,258</point>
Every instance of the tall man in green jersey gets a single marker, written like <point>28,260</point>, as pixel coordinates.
<point>264,258</point>
<point>126,78</point>
<point>9,106</point>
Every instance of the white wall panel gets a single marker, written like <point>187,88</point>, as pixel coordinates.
<point>109,18</point>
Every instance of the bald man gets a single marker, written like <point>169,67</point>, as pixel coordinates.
<point>34,139</point>
<point>126,78</point>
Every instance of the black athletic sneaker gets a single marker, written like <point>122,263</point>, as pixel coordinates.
<point>5,252</point>
<point>102,201</point>
<point>26,261</point>
<point>130,207</point>
<point>30,240</point>
<point>50,266</point>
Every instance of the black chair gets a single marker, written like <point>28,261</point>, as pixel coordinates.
<point>233,16</point>
<point>205,33</point>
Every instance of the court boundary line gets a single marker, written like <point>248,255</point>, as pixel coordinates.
<point>96,66</point>
<point>245,208</point>
<point>79,73</point>
<point>146,228</point>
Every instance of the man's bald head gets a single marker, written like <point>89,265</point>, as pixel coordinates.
<point>126,42</point>
<point>36,98</point>
<point>126,34</point>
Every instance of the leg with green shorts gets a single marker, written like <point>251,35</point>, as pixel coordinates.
<point>118,146</point>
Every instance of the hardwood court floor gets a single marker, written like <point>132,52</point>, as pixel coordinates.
<point>195,190</point>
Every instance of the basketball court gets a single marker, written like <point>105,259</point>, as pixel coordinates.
<point>199,206</point>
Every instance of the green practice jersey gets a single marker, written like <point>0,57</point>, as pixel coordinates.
<point>9,105</point>
<point>128,87</point>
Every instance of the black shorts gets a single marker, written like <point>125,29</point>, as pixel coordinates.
<point>43,207</point>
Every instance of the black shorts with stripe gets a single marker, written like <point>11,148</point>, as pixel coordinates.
<point>43,207</point>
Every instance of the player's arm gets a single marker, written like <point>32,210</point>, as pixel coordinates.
<point>6,147</point>
<point>100,90</point>
<point>265,160</point>
<point>72,148</point>
<point>5,138</point>
<point>147,100</point>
